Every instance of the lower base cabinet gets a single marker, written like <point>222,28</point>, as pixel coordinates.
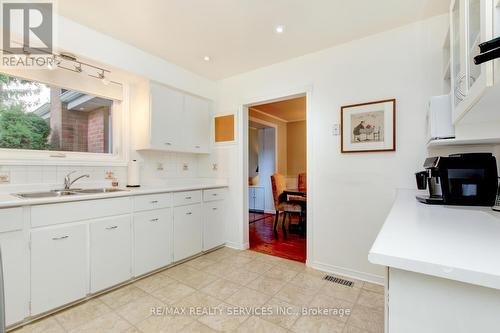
<point>110,252</point>
<point>152,240</point>
<point>213,224</point>
<point>187,231</point>
<point>59,271</point>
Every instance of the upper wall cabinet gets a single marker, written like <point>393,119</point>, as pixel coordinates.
<point>471,23</point>
<point>176,122</point>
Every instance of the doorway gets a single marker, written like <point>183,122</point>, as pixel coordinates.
<point>277,186</point>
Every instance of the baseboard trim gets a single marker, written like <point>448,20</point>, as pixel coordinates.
<point>238,246</point>
<point>368,277</point>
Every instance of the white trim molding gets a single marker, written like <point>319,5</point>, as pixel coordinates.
<point>347,272</point>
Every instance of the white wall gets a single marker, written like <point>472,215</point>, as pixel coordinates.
<point>352,193</point>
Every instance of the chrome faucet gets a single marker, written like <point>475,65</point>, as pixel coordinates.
<point>68,182</point>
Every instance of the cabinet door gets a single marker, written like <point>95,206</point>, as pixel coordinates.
<point>15,275</point>
<point>187,231</point>
<point>153,240</point>
<point>214,224</point>
<point>259,198</point>
<point>197,124</point>
<point>110,252</point>
<point>166,119</point>
<point>458,63</point>
<point>59,271</point>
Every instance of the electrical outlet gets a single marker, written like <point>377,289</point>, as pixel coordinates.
<point>4,177</point>
<point>336,130</point>
<point>215,167</point>
<point>185,167</point>
<point>110,175</point>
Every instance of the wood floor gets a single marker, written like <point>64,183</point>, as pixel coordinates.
<point>262,239</point>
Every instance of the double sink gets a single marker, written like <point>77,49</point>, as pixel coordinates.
<point>62,193</point>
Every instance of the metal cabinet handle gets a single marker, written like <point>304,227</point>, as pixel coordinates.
<point>188,198</point>
<point>168,143</point>
<point>214,208</point>
<point>112,227</point>
<point>197,147</point>
<point>189,213</point>
<point>214,194</point>
<point>59,238</point>
<point>154,201</point>
<point>154,220</point>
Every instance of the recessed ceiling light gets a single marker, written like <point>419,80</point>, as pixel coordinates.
<point>206,58</point>
<point>280,29</point>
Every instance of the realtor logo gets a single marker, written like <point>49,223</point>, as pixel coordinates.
<point>27,27</point>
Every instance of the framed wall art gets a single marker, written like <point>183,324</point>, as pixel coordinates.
<point>368,127</point>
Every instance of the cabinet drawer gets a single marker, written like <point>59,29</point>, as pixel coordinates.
<point>12,219</point>
<point>214,194</point>
<point>78,210</point>
<point>187,198</point>
<point>152,201</point>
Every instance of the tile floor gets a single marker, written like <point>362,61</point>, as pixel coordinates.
<point>220,282</point>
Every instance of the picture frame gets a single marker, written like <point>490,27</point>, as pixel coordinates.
<point>368,127</point>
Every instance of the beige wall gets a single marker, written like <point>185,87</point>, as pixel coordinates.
<point>282,140</point>
<point>296,147</point>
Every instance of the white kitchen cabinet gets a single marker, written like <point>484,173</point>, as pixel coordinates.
<point>59,266</point>
<point>187,231</point>
<point>110,252</point>
<point>175,121</point>
<point>14,246</point>
<point>166,116</point>
<point>197,124</point>
<point>471,23</point>
<point>152,240</point>
<point>213,224</point>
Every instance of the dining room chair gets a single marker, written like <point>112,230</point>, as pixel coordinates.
<point>281,203</point>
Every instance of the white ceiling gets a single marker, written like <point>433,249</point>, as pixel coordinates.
<point>238,35</point>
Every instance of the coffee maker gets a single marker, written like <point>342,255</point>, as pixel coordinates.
<point>459,179</point>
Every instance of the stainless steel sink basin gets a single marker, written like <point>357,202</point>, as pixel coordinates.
<point>48,194</point>
<point>99,190</point>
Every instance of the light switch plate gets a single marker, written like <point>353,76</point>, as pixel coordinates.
<point>185,167</point>
<point>336,129</point>
<point>215,167</point>
<point>4,177</point>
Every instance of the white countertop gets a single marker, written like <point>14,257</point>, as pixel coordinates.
<point>453,242</point>
<point>9,200</point>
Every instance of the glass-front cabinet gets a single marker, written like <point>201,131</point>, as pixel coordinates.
<point>471,23</point>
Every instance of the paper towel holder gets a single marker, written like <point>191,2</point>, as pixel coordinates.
<point>133,180</point>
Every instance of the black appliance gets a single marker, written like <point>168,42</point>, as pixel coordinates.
<point>459,179</point>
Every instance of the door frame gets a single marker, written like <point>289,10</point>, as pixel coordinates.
<point>244,105</point>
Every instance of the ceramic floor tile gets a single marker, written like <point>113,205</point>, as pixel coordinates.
<point>255,324</point>
<point>200,262</point>
<point>259,267</point>
<point>197,327</point>
<point>198,299</point>
<point>367,319</point>
<point>122,296</point>
<point>219,269</point>
<point>295,295</point>
<point>341,292</point>
<point>180,272</point>
<point>246,297</point>
<point>217,255</point>
<point>238,261</point>
<point>282,313</point>
<point>173,293</point>
<point>340,309</point>
<point>372,300</point>
<point>221,288</point>
<point>82,313</point>
<point>376,288</point>
<point>241,276</point>
<point>222,321</point>
<point>352,329</point>
<point>138,309</point>
<point>267,285</point>
<point>164,324</point>
<point>109,323</point>
<point>281,273</point>
<point>48,325</point>
<point>154,282</point>
<point>199,279</point>
<point>308,281</point>
<point>317,324</point>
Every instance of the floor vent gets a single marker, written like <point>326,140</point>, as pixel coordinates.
<point>337,280</point>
